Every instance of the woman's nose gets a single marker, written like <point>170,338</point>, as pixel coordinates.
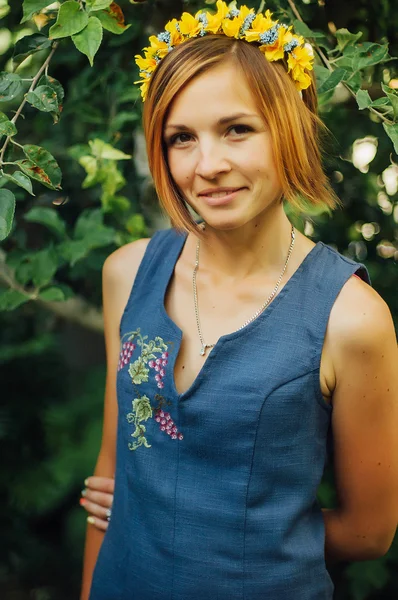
<point>211,161</point>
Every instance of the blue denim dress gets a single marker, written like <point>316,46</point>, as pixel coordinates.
<point>215,495</point>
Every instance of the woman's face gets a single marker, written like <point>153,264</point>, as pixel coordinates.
<point>219,149</point>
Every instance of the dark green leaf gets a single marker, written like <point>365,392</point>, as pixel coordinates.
<point>321,74</point>
<point>52,294</point>
<point>98,4</point>
<point>71,19</point>
<point>48,217</point>
<point>392,132</point>
<point>363,99</point>
<point>11,299</point>
<point>112,19</point>
<point>43,98</point>
<point>24,273</point>
<point>374,54</point>
<point>333,80</point>
<point>20,179</point>
<point>44,266</point>
<point>381,102</point>
<point>354,81</point>
<point>31,7</point>
<point>29,45</point>
<point>73,251</point>
<point>89,39</point>
<point>90,228</point>
<point>42,166</point>
<point>55,84</point>
<point>7,209</point>
<point>346,38</point>
<point>6,127</point>
<point>10,86</point>
<point>392,96</point>
<point>303,29</point>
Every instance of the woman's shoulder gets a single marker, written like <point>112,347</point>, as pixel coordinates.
<point>360,319</point>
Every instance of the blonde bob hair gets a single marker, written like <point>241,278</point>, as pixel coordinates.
<point>291,118</point>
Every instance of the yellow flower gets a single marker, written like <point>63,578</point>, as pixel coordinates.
<point>260,24</point>
<point>276,51</point>
<point>189,25</point>
<point>176,37</point>
<point>161,48</point>
<point>299,60</point>
<point>145,64</point>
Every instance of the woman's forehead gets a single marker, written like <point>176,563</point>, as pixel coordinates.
<point>219,92</point>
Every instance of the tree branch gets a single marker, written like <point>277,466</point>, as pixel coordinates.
<point>76,309</point>
<point>31,88</point>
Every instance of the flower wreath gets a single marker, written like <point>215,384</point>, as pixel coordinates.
<point>276,40</point>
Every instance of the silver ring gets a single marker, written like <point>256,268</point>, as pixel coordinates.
<point>108,514</point>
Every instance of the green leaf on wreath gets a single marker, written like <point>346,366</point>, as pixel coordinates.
<point>48,217</point>
<point>31,7</point>
<point>41,165</point>
<point>89,39</point>
<point>7,127</point>
<point>7,210</point>
<point>20,179</point>
<point>10,86</point>
<point>71,19</point>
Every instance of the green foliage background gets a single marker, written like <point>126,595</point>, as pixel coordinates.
<point>51,346</point>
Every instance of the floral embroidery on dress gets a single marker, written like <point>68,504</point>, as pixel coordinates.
<point>154,354</point>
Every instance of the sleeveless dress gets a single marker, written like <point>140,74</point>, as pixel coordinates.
<point>215,491</point>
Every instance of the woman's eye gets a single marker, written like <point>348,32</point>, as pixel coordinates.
<point>180,138</point>
<point>240,129</point>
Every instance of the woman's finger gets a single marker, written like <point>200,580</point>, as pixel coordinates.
<point>95,510</point>
<point>98,523</point>
<point>99,498</point>
<point>100,484</point>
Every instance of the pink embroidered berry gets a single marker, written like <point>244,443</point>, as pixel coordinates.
<point>167,416</point>
<point>157,368</point>
<point>174,429</point>
<point>160,384</point>
<point>165,354</point>
<point>180,436</point>
<point>158,361</point>
<point>162,428</point>
<point>161,413</point>
<point>157,419</point>
<point>173,436</point>
<point>163,421</point>
<point>158,377</point>
<point>168,431</point>
<point>169,426</point>
<point>164,362</point>
<point>162,372</point>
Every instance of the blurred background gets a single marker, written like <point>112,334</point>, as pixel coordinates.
<point>52,362</point>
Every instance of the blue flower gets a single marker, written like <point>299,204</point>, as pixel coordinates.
<point>269,37</point>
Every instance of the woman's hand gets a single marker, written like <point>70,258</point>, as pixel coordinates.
<point>97,499</point>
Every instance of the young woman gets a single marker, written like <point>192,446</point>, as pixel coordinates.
<point>236,347</point>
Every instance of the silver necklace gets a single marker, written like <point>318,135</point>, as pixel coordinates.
<point>259,311</point>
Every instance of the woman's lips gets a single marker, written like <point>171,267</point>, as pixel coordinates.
<point>220,200</point>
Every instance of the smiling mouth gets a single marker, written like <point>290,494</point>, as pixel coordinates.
<point>220,194</point>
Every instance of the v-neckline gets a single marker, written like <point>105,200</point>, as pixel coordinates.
<point>228,336</point>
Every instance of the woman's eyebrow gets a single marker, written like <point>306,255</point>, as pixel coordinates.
<point>222,121</point>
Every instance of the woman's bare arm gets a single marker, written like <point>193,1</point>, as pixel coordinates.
<point>364,353</point>
<point>118,277</point>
